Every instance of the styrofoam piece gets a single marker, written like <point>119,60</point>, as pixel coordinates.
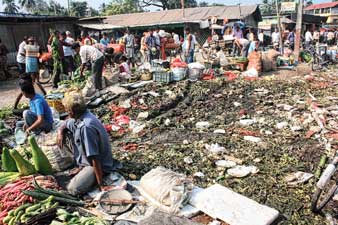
<point>222,203</point>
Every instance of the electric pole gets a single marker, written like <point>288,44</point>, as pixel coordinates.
<point>68,5</point>
<point>298,29</point>
<point>183,10</point>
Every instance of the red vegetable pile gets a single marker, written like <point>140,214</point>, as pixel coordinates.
<point>12,197</point>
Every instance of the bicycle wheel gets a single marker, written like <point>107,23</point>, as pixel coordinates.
<point>318,203</point>
<point>316,63</point>
<point>326,188</point>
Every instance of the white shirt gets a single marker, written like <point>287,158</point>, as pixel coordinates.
<point>89,53</point>
<point>157,38</point>
<point>177,39</point>
<point>68,49</point>
<point>261,37</point>
<point>19,57</point>
<point>275,37</point>
<point>308,36</point>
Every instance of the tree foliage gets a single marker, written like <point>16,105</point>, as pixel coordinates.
<point>10,6</point>
<point>57,8</point>
<point>27,4</point>
<point>120,7</point>
<point>78,9</point>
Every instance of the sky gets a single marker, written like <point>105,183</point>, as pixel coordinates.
<point>97,3</point>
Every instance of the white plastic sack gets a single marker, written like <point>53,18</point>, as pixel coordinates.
<point>251,73</point>
<point>89,90</point>
<point>60,159</point>
<point>196,65</point>
<point>169,189</point>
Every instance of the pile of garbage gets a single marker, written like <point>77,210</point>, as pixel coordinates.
<point>263,138</point>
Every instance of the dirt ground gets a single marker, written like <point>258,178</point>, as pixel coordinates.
<point>9,90</point>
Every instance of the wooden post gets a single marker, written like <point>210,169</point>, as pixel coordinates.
<point>298,29</point>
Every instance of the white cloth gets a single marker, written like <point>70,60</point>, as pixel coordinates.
<point>177,39</point>
<point>308,36</point>
<point>275,37</point>
<point>89,53</point>
<point>68,49</point>
<point>20,58</point>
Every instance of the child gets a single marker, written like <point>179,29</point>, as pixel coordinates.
<point>125,72</point>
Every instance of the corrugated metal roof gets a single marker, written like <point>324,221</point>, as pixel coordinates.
<point>322,5</point>
<point>176,16</point>
<point>101,26</point>
<point>32,17</point>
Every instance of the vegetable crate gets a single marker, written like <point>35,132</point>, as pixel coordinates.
<point>162,76</point>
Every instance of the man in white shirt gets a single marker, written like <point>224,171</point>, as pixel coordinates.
<point>316,36</point>
<point>176,38</point>
<point>308,38</point>
<point>275,37</point>
<point>157,36</point>
<point>261,38</point>
<point>91,54</point>
<point>21,57</point>
<point>68,52</point>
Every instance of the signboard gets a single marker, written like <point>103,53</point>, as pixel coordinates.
<point>288,7</point>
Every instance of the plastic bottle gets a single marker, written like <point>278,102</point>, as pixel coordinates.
<point>20,135</point>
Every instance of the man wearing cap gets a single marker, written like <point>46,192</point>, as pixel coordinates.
<point>91,54</point>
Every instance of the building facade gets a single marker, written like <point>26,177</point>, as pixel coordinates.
<point>329,10</point>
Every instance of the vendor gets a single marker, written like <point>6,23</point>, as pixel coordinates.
<point>91,54</point>
<point>92,150</point>
<point>39,118</point>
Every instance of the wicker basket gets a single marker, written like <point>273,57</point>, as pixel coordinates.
<point>162,76</point>
<point>146,76</point>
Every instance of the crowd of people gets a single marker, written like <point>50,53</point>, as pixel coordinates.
<point>68,54</point>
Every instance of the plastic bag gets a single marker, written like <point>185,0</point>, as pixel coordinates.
<point>255,61</point>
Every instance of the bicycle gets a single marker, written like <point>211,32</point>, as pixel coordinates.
<point>326,188</point>
<point>318,61</point>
